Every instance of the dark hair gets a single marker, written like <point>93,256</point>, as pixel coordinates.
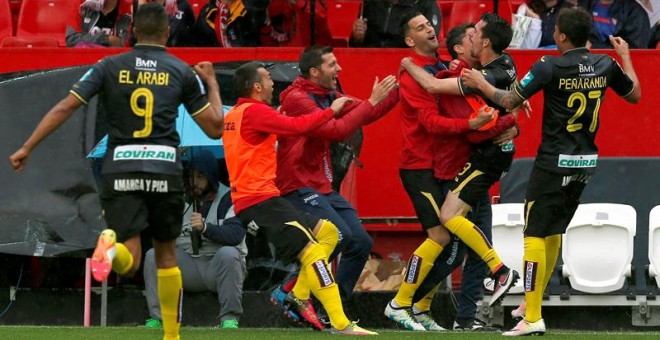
<point>151,20</point>
<point>245,77</point>
<point>497,30</point>
<point>312,56</point>
<point>405,18</point>
<point>455,36</point>
<point>576,24</point>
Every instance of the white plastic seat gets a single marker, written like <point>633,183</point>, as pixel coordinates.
<point>654,244</point>
<point>598,246</point>
<point>508,225</point>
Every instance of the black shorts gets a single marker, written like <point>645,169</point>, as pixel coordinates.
<point>551,201</point>
<point>475,180</point>
<point>426,195</point>
<point>287,228</point>
<point>133,201</point>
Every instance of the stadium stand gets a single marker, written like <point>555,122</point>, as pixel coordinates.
<point>45,19</point>
<point>197,5</point>
<point>6,21</point>
<point>341,15</point>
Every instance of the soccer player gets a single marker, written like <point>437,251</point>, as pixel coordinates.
<point>420,120</point>
<point>142,174</point>
<point>574,87</point>
<point>251,129</point>
<point>304,171</point>
<point>488,162</point>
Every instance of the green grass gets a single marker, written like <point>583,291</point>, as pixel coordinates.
<point>190,333</point>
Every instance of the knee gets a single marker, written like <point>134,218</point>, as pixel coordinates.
<point>328,233</point>
<point>228,255</point>
<point>439,235</point>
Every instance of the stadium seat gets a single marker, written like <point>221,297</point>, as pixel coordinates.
<point>341,15</point>
<point>654,244</point>
<point>6,22</point>
<point>29,42</point>
<point>508,224</point>
<point>598,246</point>
<point>467,11</point>
<point>197,5</point>
<point>45,18</point>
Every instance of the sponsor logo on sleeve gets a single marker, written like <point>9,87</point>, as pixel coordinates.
<point>526,79</point>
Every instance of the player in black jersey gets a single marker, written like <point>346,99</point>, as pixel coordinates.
<point>488,162</point>
<point>142,173</point>
<point>574,87</point>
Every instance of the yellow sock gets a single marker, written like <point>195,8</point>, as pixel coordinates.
<point>301,288</point>
<point>552,246</point>
<point>534,268</point>
<point>123,260</point>
<point>327,236</point>
<point>424,305</point>
<point>419,265</point>
<point>475,239</point>
<point>320,281</point>
<point>170,293</point>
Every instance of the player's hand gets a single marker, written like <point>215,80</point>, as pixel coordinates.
<point>19,159</point>
<point>205,70</point>
<point>473,78</point>
<point>338,105</point>
<point>405,64</point>
<point>115,41</point>
<point>484,116</point>
<point>453,65</point>
<point>382,89</point>
<point>620,46</point>
<point>506,136</point>
<point>526,107</point>
<point>197,222</point>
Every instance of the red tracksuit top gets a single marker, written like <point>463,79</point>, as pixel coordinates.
<point>304,160</point>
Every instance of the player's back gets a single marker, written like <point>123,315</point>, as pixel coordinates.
<point>142,91</point>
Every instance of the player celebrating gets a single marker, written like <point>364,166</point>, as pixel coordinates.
<point>574,87</point>
<point>142,174</point>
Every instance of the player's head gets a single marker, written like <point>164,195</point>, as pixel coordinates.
<point>151,24</point>
<point>319,64</point>
<point>252,80</point>
<point>419,34</point>
<point>573,28</point>
<point>491,32</point>
<point>459,43</point>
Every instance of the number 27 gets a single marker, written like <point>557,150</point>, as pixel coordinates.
<point>582,99</point>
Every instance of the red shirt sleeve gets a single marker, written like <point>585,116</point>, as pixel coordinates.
<point>503,123</point>
<point>261,120</point>
<point>427,109</point>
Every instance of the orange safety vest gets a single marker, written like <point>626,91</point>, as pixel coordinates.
<point>251,167</point>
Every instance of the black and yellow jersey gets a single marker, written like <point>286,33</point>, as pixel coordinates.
<point>141,91</point>
<point>574,87</point>
<point>501,73</point>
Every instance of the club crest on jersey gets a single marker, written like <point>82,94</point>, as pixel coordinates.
<point>325,278</point>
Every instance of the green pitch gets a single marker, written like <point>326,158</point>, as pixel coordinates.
<point>189,333</point>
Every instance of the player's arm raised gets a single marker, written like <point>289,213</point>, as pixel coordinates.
<point>506,99</point>
<point>430,83</point>
<point>211,120</point>
<point>621,48</point>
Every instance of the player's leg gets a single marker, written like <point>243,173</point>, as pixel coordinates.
<point>226,273</point>
<point>467,190</point>
<point>426,195</point>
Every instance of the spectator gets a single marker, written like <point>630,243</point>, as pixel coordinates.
<point>230,23</point>
<point>652,8</point>
<point>218,265</point>
<point>546,11</point>
<point>182,20</point>
<point>101,23</point>
<point>378,24</point>
<point>620,18</point>
<point>278,30</point>
<point>303,28</point>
